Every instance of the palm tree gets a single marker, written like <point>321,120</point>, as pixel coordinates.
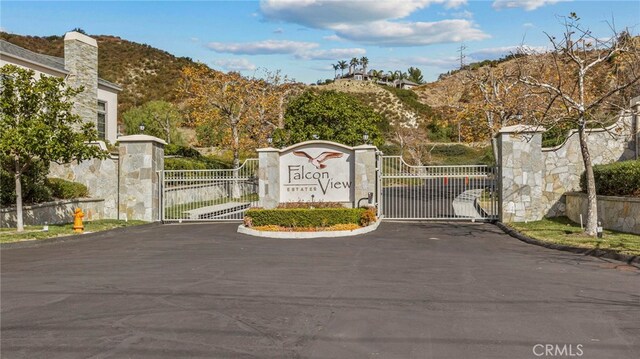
<point>343,65</point>
<point>364,61</point>
<point>335,70</point>
<point>353,63</point>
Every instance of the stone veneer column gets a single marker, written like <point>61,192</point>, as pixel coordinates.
<point>81,60</point>
<point>521,168</point>
<point>269,177</point>
<point>141,159</point>
<point>635,109</point>
<point>364,172</point>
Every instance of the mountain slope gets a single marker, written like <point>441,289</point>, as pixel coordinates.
<point>145,73</point>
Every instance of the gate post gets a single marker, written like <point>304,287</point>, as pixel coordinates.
<point>520,166</point>
<point>364,173</point>
<point>269,177</point>
<point>141,157</point>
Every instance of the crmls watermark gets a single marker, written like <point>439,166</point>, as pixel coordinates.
<point>558,350</point>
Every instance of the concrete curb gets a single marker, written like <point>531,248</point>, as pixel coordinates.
<point>294,235</point>
<point>72,238</point>
<point>594,252</point>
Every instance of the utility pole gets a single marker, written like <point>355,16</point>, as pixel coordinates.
<point>461,51</point>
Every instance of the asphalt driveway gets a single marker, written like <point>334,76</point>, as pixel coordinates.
<point>410,290</point>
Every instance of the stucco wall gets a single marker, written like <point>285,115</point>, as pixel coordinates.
<point>563,164</point>
<point>616,213</point>
<point>54,212</point>
<point>111,98</point>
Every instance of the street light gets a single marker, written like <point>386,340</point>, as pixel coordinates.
<point>315,136</point>
<point>365,137</point>
<point>141,127</point>
<point>270,139</point>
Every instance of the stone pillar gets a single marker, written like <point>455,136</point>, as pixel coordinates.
<point>81,60</point>
<point>521,168</point>
<point>364,173</point>
<point>269,177</point>
<point>141,160</point>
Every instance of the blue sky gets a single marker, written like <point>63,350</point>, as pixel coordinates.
<point>303,38</point>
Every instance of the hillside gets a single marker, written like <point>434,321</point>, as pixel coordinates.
<point>145,73</point>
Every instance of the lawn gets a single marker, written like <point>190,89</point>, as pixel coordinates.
<point>562,231</point>
<point>9,235</point>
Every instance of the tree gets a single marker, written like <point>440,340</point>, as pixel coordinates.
<point>415,75</point>
<point>583,79</point>
<point>353,64</point>
<point>222,102</point>
<point>330,115</point>
<point>37,124</point>
<point>343,66</point>
<point>364,61</point>
<point>336,67</point>
<point>160,118</point>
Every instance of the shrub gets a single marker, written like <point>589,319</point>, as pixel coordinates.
<point>184,151</point>
<point>317,217</point>
<point>184,164</point>
<point>34,189</point>
<point>291,205</point>
<point>368,216</point>
<point>616,179</point>
<point>64,189</point>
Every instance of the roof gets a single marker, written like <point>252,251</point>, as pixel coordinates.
<point>51,62</point>
<point>407,82</point>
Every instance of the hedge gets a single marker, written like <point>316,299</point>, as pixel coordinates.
<point>64,189</point>
<point>317,217</point>
<point>616,179</point>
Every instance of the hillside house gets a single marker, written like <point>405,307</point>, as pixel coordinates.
<point>98,103</point>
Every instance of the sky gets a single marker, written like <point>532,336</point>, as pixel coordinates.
<point>304,38</point>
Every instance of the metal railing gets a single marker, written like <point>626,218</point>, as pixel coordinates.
<point>437,192</point>
<point>209,195</point>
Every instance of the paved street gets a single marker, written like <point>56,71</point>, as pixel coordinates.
<point>407,290</point>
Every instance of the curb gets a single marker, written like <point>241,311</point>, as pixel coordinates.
<point>32,243</point>
<point>301,235</point>
<point>594,252</point>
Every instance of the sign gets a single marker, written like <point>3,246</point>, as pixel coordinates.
<point>317,172</point>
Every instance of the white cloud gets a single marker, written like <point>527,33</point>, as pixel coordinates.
<point>498,52</point>
<point>464,14</point>
<point>376,22</point>
<point>386,33</point>
<point>525,4</point>
<point>278,31</point>
<point>266,47</point>
<point>235,64</point>
<point>528,25</point>
<point>331,54</point>
<point>326,13</point>
<point>333,37</point>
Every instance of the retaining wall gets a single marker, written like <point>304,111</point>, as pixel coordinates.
<point>54,212</point>
<point>616,213</point>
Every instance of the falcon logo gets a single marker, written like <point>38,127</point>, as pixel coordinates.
<point>318,161</point>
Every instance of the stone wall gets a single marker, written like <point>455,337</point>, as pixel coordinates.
<point>54,212</point>
<point>563,164</point>
<point>534,180</point>
<point>100,177</point>
<point>616,213</point>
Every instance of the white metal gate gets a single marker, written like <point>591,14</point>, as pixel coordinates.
<point>436,192</point>
<point>209,195</point>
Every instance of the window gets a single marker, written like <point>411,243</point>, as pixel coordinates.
<point>102,119</point>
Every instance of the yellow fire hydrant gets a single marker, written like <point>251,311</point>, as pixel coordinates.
<point>77,221</point>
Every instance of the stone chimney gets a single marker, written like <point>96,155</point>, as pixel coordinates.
<point>81,60</point>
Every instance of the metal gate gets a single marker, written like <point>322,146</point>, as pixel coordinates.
<point>209,195</point>
<point>436,192</point>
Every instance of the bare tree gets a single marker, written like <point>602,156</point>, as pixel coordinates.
<point>584,78</point>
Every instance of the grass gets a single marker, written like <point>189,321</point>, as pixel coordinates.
<point>10,235</point>
<point>562,231</point>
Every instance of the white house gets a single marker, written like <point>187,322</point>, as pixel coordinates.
<point>98,103</point>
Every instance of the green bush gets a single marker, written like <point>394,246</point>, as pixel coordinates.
<point>317,217</point>
<point>184,151</point>
<point>34,189</point>
<point>64,189</point>
<point>184,164</point>
<point>616,179</point>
